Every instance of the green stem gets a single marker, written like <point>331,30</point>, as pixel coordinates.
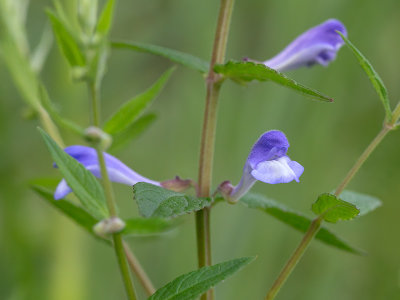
<point>50,127</point>
<point>316,224</point>
<point>117,238</point>
<point>208,135</point>
<point>138,270</point>
<point>360,161</point>
<point>294,259</point>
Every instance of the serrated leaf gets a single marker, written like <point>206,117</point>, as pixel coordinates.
<point>66,41</point>
<point>372,75</point>
<point>189,286</point>
<point>155,201</point>
<point>82,182</point>
<point>243,72</point>
<point>187,60</point>
<point>130,110</point>
<point>333,209</point>
<point>133,131</point>
<point>134,227</point>
<point>364,203</point>
<point>295,220</point>
<point>106,16</point>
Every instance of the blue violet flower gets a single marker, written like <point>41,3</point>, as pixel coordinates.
<point>317,45</point>
<point>267,162</point>
<point>117,171</point>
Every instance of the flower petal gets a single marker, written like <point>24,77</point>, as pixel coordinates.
<point>117,171</point>
<point>62,190</point>
<point>318,45</point>
<point>245,184</point>
<point>271,145</point>
<point>277,171</point>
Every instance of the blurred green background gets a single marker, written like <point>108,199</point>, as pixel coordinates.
<point>43,255</point>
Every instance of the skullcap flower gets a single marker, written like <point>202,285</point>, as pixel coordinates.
<point>267,162</point>
<point>117,171</point>
<point>318,45</point>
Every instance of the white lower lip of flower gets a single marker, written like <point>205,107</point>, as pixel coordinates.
<point>274,171</point>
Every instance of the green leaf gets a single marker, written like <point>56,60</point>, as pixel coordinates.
<point>130,110</point>
<point>82,182</point>
<point>42,50</point>
<point>77,214</point>
<point>106,16</point>
<point>146,227</point>
<point>134,227</point>
<point>66,41</point>
<point>190,285</point>
<point>365,203</point>
<point>133,131</point>
<point>54,114</point>
<point>372,75</point>
<point>247,71</point>
<point>295,220</point>
<point>187,60</point>
<point>334,209</point>
<point>155,201</point>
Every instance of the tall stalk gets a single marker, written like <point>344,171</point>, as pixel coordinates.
<point>117,238</point>
<point>208,135</point>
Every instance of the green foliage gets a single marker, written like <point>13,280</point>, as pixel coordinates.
<point>106,16</point>
<point>66,41</point>
<point>134,226</point>
<point>365,203</point>
<point>130,110</point>
<point>61,121</point>
<point>189,286</point>
<point>372,75</point>
<point>333,209</point>
<point>243,72</point>
<point>155,201</point>
<point>295,220</point>
<point>146,227</point>
<point>82,182</point>
<point>133,131</point>
<point>187,60</point>
<point>75,213</point>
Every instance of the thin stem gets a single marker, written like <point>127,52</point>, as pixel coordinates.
<point>294,259</point>
<point>208,136</point>
<point>117,238</point>
<point>316,224</point>
<point>50,127</point>
<point>123,265</point>
<point>139,271</point>
<point>360,161</point>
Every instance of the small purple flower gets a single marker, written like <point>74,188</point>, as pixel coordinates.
<point>117,171</point>
<point>317,45</point>
<point>267,162</point>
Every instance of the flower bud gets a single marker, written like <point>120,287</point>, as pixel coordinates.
<point>109,226</point>
<point>97,136</point>
<point>177,184</point>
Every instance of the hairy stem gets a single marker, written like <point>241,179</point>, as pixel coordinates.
<point>117,238</point>
<point>208,136</point>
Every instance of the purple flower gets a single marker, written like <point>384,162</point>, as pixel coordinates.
<point>317,45</point>
<point>117,171</point>
<point>267,162</point>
